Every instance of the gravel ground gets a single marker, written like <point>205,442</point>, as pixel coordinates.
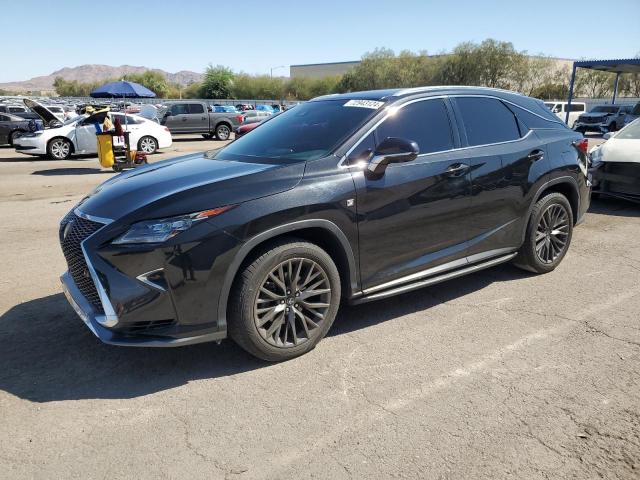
<point>500,374</point>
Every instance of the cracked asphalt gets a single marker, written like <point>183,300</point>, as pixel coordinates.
<point>501,374</point>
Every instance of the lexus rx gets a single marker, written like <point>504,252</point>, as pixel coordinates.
<point>351,197</point>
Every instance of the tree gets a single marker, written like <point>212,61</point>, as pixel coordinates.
<point>154,81</point>
<point>594,84</point>
<point>217,82</point>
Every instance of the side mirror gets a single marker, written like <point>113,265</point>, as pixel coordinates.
<point>607,135</point>
<point>392,150</point>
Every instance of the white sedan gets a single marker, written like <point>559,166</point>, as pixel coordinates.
<point>615,165</point>
<point>78,136</point>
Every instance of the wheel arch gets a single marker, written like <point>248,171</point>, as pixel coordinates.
<point>323,233</point>
<point>223,122</point>
<point>567,186</point>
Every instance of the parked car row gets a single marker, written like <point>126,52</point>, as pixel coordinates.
<point>601,118</point>
<point>59,140</point>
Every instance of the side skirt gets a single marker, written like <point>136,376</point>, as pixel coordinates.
<point>437,278</point>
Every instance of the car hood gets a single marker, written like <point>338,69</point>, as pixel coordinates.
<point>186,185</point>
<point>624,151</point>
<point>43,112</point>
<point>595,115</point>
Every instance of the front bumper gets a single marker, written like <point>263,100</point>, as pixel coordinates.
<point>591,127</point>
<point>144,295</point>
<point>30,145</point>
<point>88,315</point>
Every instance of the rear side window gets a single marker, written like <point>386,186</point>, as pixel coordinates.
<point>196,108</point>
<point>577,107</point>
<point>487,120</point>
<point>425,122</point>
<point>531,120</point>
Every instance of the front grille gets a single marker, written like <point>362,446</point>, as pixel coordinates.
<point>78,229</point>
<point>592,120</point>
<point>622,177</point>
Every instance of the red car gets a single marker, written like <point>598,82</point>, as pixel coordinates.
<point>244,129</point>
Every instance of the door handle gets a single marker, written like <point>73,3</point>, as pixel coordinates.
<point>184,119</point>
<point>456,169</point>
<point>536,155</point>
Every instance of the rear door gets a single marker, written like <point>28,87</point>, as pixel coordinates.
<point>505,158</point>
<point>416,215</point>
<point>198,118</point>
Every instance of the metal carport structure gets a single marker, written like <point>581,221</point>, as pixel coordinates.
<point>629,65</point>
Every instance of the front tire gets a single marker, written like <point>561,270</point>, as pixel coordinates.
<point>148,145</point>
<point>59,148</point>
<point>548,234</point>
<point>284,302</point>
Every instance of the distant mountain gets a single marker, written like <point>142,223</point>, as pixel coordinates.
<point>94,73</point>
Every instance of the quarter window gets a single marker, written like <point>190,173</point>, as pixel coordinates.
<point>425,122</point>
<point>487,120</point>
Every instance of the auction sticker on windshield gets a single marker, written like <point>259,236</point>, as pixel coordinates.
<point>364,104</point>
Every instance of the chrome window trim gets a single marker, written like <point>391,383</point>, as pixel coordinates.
<point>341,163</point>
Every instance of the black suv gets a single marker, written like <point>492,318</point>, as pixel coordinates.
<point>350,197</point>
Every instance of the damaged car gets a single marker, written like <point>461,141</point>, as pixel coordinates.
<point>615,165</point>
<point>601,119</point>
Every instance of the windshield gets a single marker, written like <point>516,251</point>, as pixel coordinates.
<point>605,109</point>
<point>73,120</point>
<point>630,132</point>
<point>309,131</point>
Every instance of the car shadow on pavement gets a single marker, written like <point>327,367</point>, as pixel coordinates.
<point>71,171</point>
<point>49,355</point>
<point>614,207</point>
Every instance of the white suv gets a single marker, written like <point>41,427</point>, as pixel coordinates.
<point>560,109</point>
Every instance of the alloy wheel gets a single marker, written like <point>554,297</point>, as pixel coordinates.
<point>223,132</point>
<point>552,233</point>
<point>148,145</point>
<point>60,149</point>
<point>292,302</point>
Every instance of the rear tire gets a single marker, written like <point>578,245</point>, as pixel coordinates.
<point>548,234</point>
<point>223,132</point>
<point>284,301</point>
<point>148,145</point>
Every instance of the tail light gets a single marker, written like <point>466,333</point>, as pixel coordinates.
<point>582,145</point>
<point>240,118</point>
<point>166,129</point>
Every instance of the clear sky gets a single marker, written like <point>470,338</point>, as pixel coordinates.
<point>41,36</point>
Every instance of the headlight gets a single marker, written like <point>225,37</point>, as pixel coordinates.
<point>161,230</point>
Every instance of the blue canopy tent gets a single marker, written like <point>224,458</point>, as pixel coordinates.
<point>122,89</point>
<point>629,65</point>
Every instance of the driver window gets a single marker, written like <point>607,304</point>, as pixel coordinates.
<point>425,122</point>
<point>179,109</point>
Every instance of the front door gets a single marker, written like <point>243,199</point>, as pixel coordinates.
<point>178,119</point>
<point>415,216</point>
